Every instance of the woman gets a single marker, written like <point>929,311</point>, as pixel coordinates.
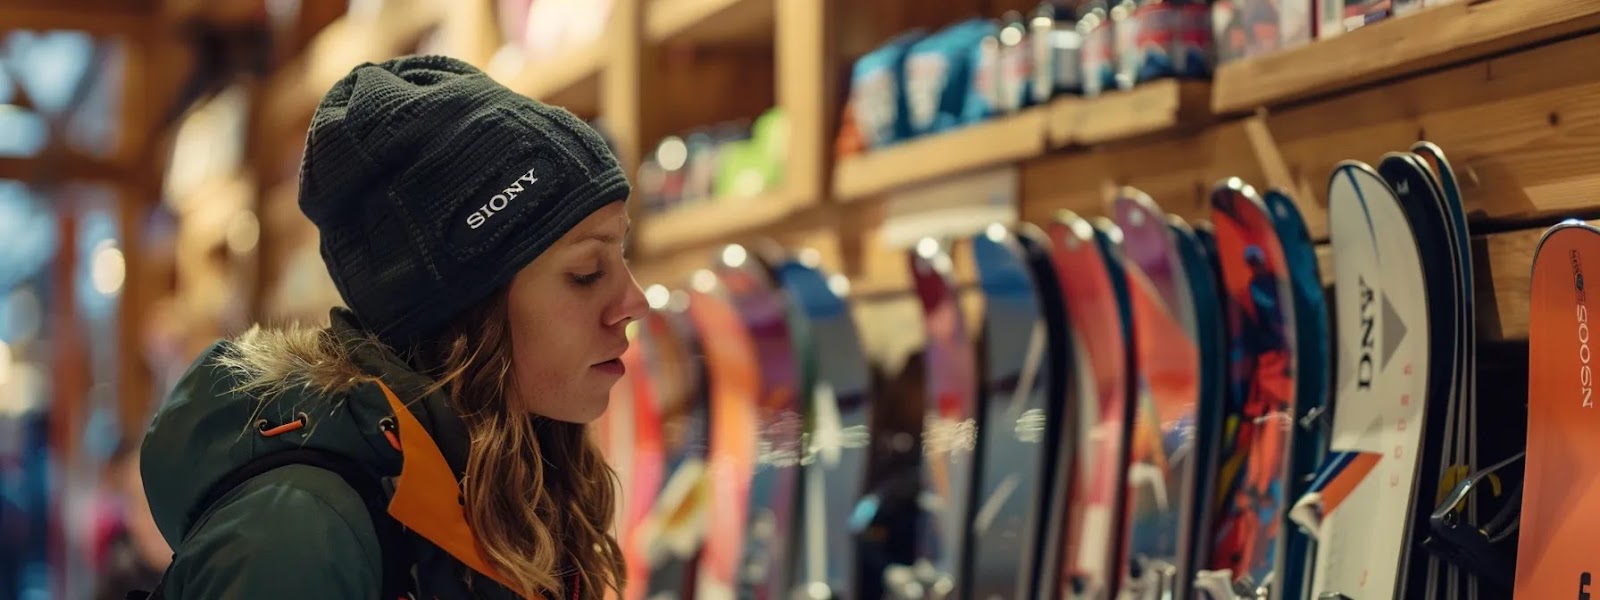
<point>476,237</point>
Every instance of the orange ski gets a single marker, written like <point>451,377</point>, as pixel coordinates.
<point>1555,557</point>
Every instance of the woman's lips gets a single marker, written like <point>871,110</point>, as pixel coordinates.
<point>612,367</point>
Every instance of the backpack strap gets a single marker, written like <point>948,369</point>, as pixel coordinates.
<point>392,543</point>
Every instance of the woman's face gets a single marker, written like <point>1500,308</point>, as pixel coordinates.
<point>568,311</point>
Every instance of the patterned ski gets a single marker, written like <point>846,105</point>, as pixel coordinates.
<point>1167,391</point>
<point>1248,542</point>
<point>774,486</point>
<point>1066,368</point>
<point>839,440</point>
<point>1313,357</point>
<point>734,381</point>
<point>949,430</point>
<point>1013,422</point>
<point>1089,263</point>
<point>1368,483</point>
<point>1197,249</point>
<point>676,522</point>
<point>1425,207</point>
<point>1464,419</point>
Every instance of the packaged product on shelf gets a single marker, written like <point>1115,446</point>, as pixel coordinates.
<point>1126,56</point>
<point>1342,16</point>
<point>703,147</point>
<point>1197,48</point>
<point>1244,28</point>
<point>754,166</point>
<point>1296,20</point>
<point>1330,18</point>
<point>1099,70</point>
<point>651,181</point>
<point>712,164</point>
<point>1015,67</point>
<point>1156,40</point>
<point>770,138</point>
<point>661,176</point>
<point>1405,7</point>
<point>876,86</point>
<point>938,69</point>
<point>983,93</point>
<point>849,141</point>
<point>1057,51</point>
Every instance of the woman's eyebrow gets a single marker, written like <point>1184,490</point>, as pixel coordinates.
<point>604,237</point>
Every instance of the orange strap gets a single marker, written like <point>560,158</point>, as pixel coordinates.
<point>425,495</point>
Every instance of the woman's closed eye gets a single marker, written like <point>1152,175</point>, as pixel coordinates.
<point>588,279</point>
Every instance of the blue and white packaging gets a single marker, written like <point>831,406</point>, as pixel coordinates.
<point>877,92</point>
<point>938,70</point>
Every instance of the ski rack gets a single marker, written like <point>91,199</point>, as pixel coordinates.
<point>1220,585</point>
<point>1154,579</point>
<point>1269,158</point>
<point>916,582</point>
<point>1469,546</point>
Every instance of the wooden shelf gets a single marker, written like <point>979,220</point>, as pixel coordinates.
<point>714,222</point>
<point>1153,107</point>
<point>1430,39</point>
<point>1518,130</point>
<point>1004,140</point>
<point>709,21</point>
<point>571,80</point>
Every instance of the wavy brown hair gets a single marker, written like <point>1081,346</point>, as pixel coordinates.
<point>539,495</point>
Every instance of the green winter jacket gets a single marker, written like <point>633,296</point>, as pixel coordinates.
<point>300,531</point>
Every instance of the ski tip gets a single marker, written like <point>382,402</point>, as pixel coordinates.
<point>1027,232</point>
<point>1428,147</point>
<point>1348,167</point>
<point>1564,225</point>
<point>1179,223</point>
<point>1135,196</point>
<point>1109,229</point>
<point>1076,224</point>
<point>1232,185</point>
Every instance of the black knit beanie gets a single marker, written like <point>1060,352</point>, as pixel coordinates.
<point>432,186</point>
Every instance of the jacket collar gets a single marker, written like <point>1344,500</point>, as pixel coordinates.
<point>426,494</point>
<point>433,444</point>
<point>433,411</point>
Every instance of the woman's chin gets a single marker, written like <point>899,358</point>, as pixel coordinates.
<point>580,412</point>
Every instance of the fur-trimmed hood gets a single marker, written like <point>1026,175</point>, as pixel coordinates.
<point>326,389</point>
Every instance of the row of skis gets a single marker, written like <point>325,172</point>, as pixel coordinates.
<point>1147,408</point>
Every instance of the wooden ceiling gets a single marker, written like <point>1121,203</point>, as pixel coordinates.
<point>177,52</point>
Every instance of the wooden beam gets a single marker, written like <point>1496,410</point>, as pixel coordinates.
<point>65,166</point>
<point>709,21</point>
<point>623,81</point>
<point>806,75</point>
<point>41,16</point>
